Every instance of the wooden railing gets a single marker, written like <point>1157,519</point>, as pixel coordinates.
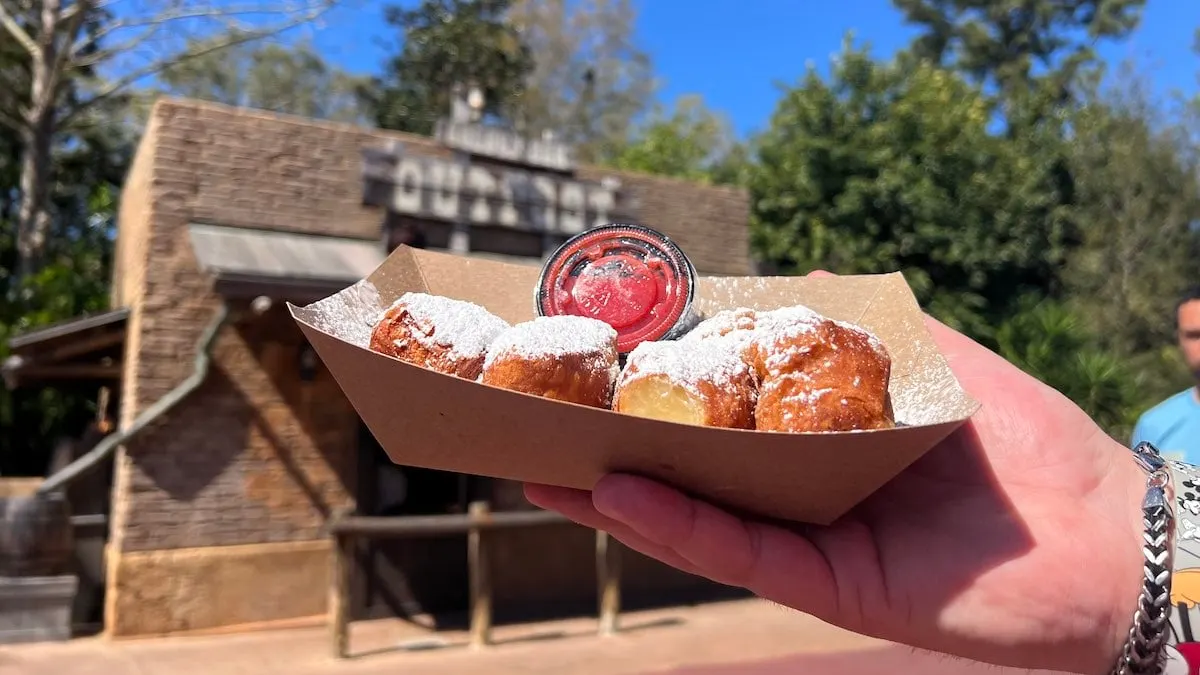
<point>477,524</point>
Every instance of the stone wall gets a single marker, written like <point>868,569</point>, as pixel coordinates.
<point>247,468</point>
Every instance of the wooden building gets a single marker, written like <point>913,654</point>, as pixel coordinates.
<point>218,506</point>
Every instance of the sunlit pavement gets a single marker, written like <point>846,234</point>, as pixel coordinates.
<point>888,660</point>
<point>745,637</point>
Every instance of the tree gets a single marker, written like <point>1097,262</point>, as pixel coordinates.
<point>1053,343</point>
<point>688,143</point>
<point>734,167</point>
<point>72,280</point>
<point>10,142</point>
<point>590,81</point>
<point>1137,170</point>
<point>1025,48</point>
<point>890,166</point>
<point>292,79</point>
<point>77,56</point>
<point>447,43</point>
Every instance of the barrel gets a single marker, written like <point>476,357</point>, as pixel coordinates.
<point>36,538</point>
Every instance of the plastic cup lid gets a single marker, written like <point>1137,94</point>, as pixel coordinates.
<point>628,276</point>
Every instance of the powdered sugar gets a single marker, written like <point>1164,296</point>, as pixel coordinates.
<point>555,337</point>
<point>785,324</point>
<point>731,324</point>
<point>925,396</point>
<point>779,359</point>
<point>687,364</point>
<point>350,315</point>
<point>463,328</point>
<point>741,328</point>
<point>737,330</point>
<point>808,397</point>
<point>719,292</point>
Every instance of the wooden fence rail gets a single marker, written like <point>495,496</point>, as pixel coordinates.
<point>344,529</point>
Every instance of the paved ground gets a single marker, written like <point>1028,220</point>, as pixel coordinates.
<point>887,660</point>
<point>750,637</point>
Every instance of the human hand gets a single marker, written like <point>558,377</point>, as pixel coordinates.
<point>1016,541</point>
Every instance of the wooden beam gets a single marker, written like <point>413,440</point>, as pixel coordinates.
<point>478,564</point>
<point>608,573</point>
<point>66,372</point>
<point>477,523</point>
<point>83,346</point>
<point>339,596</point>
<point>429,526</point>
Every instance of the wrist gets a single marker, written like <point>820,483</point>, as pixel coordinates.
<point>1131,480</point>
<point>1126,492</point>
<point>1147,565</point>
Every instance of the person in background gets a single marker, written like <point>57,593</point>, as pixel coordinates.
<point>1173,426</point>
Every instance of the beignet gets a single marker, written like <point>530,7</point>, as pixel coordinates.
<point>695,382</point>
<point>743,329</point>
<point>813,373</point>
<point>565,357</point>
<point>443,334</point>
<point>823,376</point>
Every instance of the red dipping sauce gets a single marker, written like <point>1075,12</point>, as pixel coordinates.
<point>631,277</point>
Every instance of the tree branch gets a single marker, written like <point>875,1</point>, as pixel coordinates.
<point>101,55</point>
<point>152,23</point>
<point>14,122</point>
<point>18,33</point>
<point>158,66</point>
<point>74,18</point>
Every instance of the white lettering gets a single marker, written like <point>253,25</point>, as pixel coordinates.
<point>490,196</point>
<point>571,206</point>
<point>543,218</point>
<point>507,214</point>
<point>445,183</point>
<point>601,200</point>
<point>483,184</point>
<point>407,196</point>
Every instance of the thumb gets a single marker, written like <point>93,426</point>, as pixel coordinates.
<point>820,274</point>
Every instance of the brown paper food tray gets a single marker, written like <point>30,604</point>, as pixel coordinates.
<point>426,419</point>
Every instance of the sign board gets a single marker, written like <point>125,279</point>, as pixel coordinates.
<point>487,195</point>
<point>502,144</point>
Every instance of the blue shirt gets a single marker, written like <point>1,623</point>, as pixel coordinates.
<point>1173,426</point>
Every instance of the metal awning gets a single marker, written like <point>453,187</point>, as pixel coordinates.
<point>284,265</point>
<point>87,348</point>
<point>298,268</point>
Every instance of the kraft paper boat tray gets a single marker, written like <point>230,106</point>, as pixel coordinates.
<point>426,419</point>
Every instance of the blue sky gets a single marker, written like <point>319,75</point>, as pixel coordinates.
<point>733,52</point>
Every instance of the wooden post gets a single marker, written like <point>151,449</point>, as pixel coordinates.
<point>608,573</point>
<point>339,595</point>
<point>478,565</point>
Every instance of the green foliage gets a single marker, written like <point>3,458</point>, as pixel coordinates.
<point>685,143</point>
<point>73,281</point>
<point>590,80</point>
<point>1022,47</point>
<point>284,78</point>
<point>90,152</point>
<point>445,43</point>
<point>1051,342</point>
<point>891,167</point>
<point>1135,171</point>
